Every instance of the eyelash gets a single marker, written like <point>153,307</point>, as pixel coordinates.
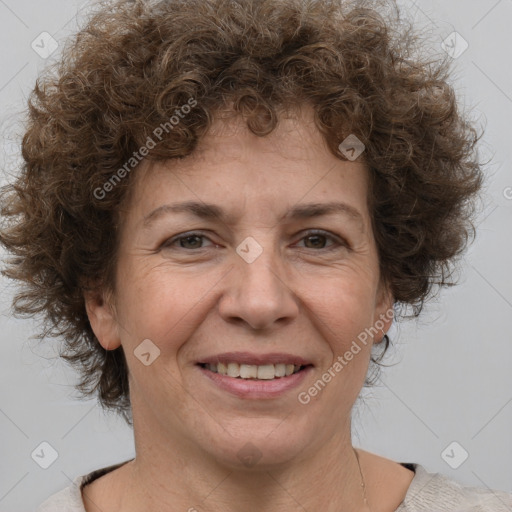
<point>182,236</point>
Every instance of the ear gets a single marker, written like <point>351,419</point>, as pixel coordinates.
<point>384,312</point>
<point>101,314</point>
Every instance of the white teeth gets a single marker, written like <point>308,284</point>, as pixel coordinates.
<point>280,370</point>
<point>252,371</point>
<point>248,371</point>
<point>233,370</point>
<point>266,372</point>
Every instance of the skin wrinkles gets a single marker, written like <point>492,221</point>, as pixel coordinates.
<point>304,301</point>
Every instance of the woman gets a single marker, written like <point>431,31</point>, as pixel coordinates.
<point>221,206</point>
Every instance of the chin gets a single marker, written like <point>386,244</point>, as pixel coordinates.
<point>258,444</point>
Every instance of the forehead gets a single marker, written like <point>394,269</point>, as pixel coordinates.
<point>233,166</point>
<point>295,137</point>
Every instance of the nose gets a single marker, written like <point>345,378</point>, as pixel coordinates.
<point>258,293</point>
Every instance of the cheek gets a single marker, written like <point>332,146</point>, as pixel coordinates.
<point>162,305</point>
<point>344,317</point>
<point>343,302</point>
<point>165,310</point>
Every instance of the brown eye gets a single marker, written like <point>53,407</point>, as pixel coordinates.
<point>322,241</point>
<point>316,241</point>
<point>191,242</point>
<point>188,241</point>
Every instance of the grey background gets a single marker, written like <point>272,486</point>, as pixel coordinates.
<point>452,378</point>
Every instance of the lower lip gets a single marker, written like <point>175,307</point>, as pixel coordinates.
<point>257,389</point>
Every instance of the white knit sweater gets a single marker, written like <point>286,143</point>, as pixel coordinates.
<point>428,492</point>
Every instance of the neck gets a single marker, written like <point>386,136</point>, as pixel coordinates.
<point>176,476</point>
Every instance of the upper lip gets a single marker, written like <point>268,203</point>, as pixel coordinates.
<point>255,359</point>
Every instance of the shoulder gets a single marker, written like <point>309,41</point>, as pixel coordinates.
<point>66,500</point>
<point>434,492</point>
<point>70,499</point>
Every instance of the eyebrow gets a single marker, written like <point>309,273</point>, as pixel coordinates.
<point>213,211</point>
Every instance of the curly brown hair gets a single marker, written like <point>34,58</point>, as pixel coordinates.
<point>136,62</point>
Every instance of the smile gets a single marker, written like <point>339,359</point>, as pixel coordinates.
<point>252,371</point>
<point>257,377</point>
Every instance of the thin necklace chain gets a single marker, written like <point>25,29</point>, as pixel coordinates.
<point>363,485</point>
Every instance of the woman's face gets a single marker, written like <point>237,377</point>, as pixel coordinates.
<point>268,280</point>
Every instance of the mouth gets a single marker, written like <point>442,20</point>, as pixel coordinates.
<point>268,371</point>
<point>252,376</point>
